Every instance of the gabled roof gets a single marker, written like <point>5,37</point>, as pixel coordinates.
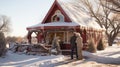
<point>77,14</point>
<point>73,9</point>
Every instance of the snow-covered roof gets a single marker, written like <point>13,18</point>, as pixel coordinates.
<point>55,24</point>
<point>62,24</point>
<point>77,14</point>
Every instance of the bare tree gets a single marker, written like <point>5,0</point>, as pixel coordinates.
<point>103,17</point>
<point>4,27</point>
<point>11,39</point>
<point>116,5</point>
<point>4,24</point>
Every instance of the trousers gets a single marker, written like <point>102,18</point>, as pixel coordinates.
<point>74,50</point>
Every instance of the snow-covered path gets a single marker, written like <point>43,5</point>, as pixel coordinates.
<point>22,60</point>
<point>110,57</point>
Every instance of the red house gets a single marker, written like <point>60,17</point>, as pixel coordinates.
<point>63,17</point>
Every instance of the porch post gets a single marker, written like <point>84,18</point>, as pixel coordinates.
<point>29,36</point>
<point>64,36</point>
<point>67,36</point>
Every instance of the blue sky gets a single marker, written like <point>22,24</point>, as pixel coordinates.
<point>24,13</point>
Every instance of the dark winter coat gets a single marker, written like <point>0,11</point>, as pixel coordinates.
<point>73,41</point>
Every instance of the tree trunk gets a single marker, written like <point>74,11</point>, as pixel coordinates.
<point>110,41</point>
<point>111,38</point>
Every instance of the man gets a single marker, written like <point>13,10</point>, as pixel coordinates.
<point>73,46</point>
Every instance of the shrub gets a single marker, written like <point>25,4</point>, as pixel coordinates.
<point>91,46</point>
<point>101,45</point>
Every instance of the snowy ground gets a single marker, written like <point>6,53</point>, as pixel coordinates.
<point>110,57</point>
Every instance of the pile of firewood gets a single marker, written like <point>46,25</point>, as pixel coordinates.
<point>35,49</point>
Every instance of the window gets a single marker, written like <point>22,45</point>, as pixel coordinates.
<point>57,17</point>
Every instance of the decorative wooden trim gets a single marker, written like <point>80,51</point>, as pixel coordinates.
<point>50,10</point>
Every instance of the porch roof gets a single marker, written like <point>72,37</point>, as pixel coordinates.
<point>53,25</point>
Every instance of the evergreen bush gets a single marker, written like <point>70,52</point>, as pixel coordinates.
<point>91,46</point>
<point>101,45</point>
<point>2,44</point>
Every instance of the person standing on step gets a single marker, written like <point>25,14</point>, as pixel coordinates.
<point>73,46</point>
